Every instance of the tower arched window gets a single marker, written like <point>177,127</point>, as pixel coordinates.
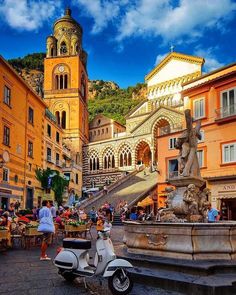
<point>63,120</point>
<point>125,156</point>
<point>63,48</point>
<point>83,87</point>
<point>52,51</point>
<point>57,82</point>
<point>58,118</point>
<point>61,82</point>
<point>65,81</point>
<point>94,161</point>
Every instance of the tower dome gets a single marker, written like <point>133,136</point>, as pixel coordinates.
<point>68,34</point>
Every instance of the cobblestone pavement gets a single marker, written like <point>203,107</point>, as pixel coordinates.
<point>21,272</point>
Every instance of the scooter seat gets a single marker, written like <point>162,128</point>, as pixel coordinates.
<point>73,243</point>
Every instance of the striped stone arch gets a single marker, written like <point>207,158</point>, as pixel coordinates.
<point>160,122</point>
<point>142,143</point>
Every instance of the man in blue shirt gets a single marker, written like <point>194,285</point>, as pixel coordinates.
<point>212,214</point>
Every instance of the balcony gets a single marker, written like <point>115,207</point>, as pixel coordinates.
<point>226,114</point>
<point>172,174</point>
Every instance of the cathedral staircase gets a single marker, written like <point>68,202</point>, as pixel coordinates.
<point>133,188</point>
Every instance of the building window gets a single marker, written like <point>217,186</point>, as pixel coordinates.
<point>109,159</point>
<point>172,168</point>
<point>200,155</point>
<point>57,137</point>
<point>67,176</point>
<point>199,108</point>
<point>172,142</point>
<point>76,178</point>
<point>49,130</point>
<point>58,118</point>
<point>5,174</point>
<point>229,153</point>
<point>57,159</point>
<point>7,95</point>
<point>30,149</point>
<point>125,156</point>
<point>49,155</point>
<point>61,81</point>
<point>106,130</point>
<point>31,116</point>
<point>6,135</point>
<point>228,102</point>
<point>94,161</point>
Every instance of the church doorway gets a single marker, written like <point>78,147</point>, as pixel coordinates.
<point>143,154</point>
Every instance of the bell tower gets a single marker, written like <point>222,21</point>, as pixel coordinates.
<point>66,80</point>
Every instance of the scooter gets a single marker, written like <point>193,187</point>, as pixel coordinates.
<point>73,261</point>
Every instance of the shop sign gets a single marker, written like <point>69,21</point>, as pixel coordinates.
<point>228,188</point>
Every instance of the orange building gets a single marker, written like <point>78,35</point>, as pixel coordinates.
<point>211,98</point>
<point>21,133</point>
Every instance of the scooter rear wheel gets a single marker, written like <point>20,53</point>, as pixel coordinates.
<point>120,284</point>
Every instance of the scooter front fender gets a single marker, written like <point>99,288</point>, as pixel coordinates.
<point>114,265</point>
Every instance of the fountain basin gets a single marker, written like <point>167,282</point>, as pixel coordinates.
<point>192,241</point>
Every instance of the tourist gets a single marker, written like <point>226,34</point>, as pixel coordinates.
<point>133,215</point>
<point>11,210</point>
<point>46,226</point>
<point>100,223</point>
<point>17,206</point>
<point>93,215</point>
<point>141,214</point>
<point>53,209</point>
<point>212,214</point>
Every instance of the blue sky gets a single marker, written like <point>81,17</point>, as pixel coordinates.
<point>125,39</point>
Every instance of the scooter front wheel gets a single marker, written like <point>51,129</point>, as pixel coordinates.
<point>120,283</point>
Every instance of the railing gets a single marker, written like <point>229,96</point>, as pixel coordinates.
<point>225,112</point>
<point>172,174</point>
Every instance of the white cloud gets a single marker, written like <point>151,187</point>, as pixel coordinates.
<point>101,11</point>
<point>159,58</point>
<point>188,19</point>
<point>28,15</point>
<point>211,61</point>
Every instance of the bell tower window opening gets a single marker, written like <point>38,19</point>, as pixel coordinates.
<point>63,48</point>
<point>65,81</point>
<point>51,52</point>
<point>57,82</point>
<point>58,118</point>
<point>61,82</point>
<point>63,120</point>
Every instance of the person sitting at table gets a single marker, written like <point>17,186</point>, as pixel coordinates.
<point>59,221</point>
<point>67,213</point>
<point>5,221</point>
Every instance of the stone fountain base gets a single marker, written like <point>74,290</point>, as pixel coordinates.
<point>192,241</point>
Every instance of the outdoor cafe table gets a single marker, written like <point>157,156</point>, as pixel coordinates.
<point>74,231</point>
<point>31,237</point>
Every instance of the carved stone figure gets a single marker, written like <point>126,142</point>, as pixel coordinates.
<point>170,197</point>
<point>187,145</point>
<point>191,198</point>
<point>203,202</point>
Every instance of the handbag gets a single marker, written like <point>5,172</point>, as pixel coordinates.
<point>46,225</point>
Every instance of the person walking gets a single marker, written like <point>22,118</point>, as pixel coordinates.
<point>53,209</point>
<point>46,226</point>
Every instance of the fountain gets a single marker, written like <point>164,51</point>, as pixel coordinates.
<point>183,231</point>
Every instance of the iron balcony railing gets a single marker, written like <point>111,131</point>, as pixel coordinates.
<point>225,112</point>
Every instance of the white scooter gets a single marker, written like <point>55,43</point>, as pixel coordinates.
<point>73,262</point>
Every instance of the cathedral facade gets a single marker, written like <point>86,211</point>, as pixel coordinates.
<point>105,160</point>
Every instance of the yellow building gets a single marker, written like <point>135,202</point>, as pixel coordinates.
<point>65,85</point>
<point>21,145</point>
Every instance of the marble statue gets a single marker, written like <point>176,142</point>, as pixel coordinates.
<point>187,146</point>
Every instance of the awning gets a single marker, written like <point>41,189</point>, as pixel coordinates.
<point>226,197</point>
<point>146,202</point>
